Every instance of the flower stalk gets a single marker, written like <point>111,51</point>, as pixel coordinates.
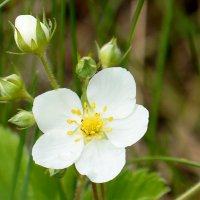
<point>79,188</point>
<point>49,73</point>
<point>102,191</point>
<point>94,190</point>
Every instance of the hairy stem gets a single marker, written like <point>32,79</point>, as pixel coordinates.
<point>50,75</point>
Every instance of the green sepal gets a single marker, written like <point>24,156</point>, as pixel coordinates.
<point>40,36</point>
<point>21,43</point>
<point>34,46</point>
<point>44,19</point>
<point>16,53</point>
<point>56,173</point>
<point>54,28</point>
<point>86,68</point>
<point>23,119</point>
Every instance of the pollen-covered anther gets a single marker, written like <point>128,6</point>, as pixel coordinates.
<point>85,105</point>
<point>110,119</point>
<point>70,132</point>
<point>76,112</point>
<point>77,139</point>
<point>92,125</point>
<point>93,106</point>
<point>104,108</point>
<point>108,129</point>
<point>71,121</point>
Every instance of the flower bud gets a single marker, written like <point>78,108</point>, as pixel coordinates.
<point>110,54</point>
<point>31,35</point>
<point>86,68</point>
<point>23,119</point>
<point>12,88</point>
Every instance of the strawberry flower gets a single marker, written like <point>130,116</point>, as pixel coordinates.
<point>93,136</point>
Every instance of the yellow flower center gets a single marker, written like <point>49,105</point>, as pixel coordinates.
<point>92,123</point>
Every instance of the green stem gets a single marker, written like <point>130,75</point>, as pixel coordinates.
<point>160,66</point>
<point>50,75</point>
<point>168,159</point>
<point>189,193</point>
<point>17,163</point>
<point>132,31</point>
<point>94,190</point>
<point>29,169</point>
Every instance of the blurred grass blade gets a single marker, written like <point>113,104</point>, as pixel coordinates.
<point>160,66</point>
<point>4,3</point>
<point>132,30</point>
<point>21,146</point>
<point>61,59</point>
<point>74,44</point>
<point>167,159</point>
<point>28,169</point>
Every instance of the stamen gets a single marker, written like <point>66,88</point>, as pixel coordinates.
<point>108,129</point>
<point>70,132</point>
<point>97,114</point>
<point>110,119</point>
<point>71,121</point>
<point>86,107</point>
<point>104,108</point>
<point>93,106</point>
<point>100,137</point>
<point>77,139</point>
<point>76,112</point>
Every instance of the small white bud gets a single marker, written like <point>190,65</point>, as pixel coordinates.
<point>110,54</point>
<point>31,35</point>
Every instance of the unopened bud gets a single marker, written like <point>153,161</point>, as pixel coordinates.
<point>110,54</point>
<point>86,68</point>
<point>31,35</point>
<point>12,88</point>
<point>23,119</point>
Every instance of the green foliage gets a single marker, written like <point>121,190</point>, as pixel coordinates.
<point>137,185</point>
<point>40,187</point>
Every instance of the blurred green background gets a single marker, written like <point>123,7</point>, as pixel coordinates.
<point>164,60</point>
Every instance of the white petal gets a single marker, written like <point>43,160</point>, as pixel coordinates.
<point>128,131</point>
<point>101,161</point>
<point>52,110</point>
<point>57,150</point>
<point>115,88</point>
<point>26,25</point>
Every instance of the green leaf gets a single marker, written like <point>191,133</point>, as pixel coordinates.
<point>137,185</point>
<point>41,186</point>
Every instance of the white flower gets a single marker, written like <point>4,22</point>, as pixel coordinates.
<point>26,25</point>
<point>94,136</point>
